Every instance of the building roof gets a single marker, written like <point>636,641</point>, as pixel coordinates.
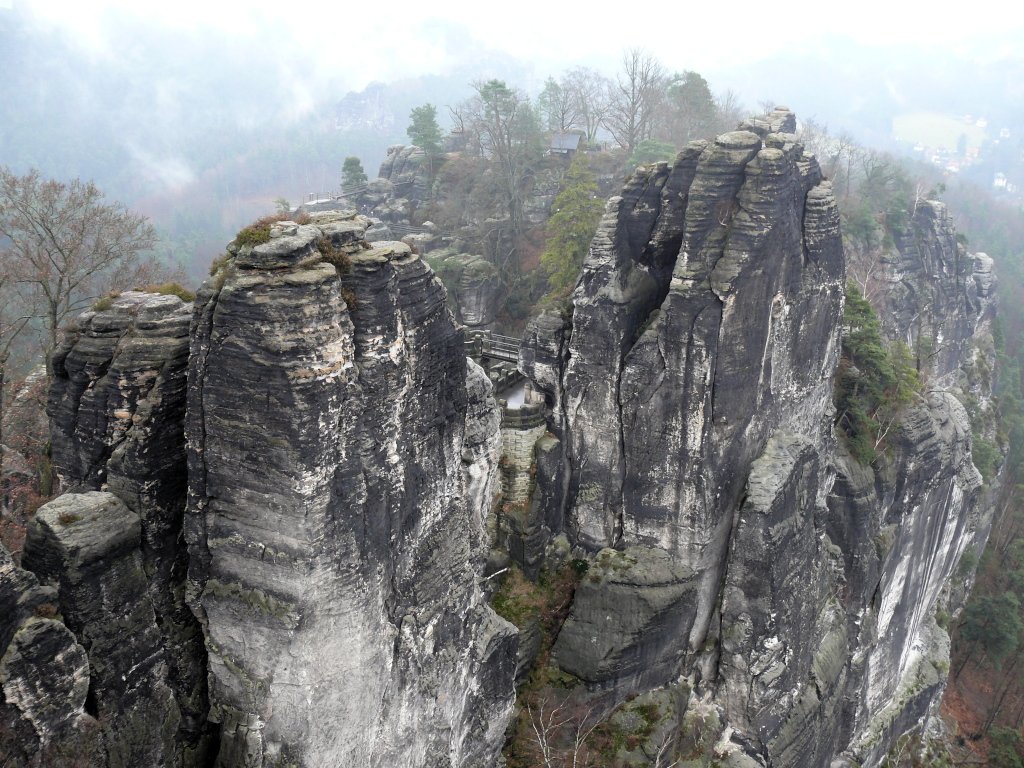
<point>565,141</point>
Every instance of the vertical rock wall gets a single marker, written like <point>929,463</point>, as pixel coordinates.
<point>703,338</point>
<point>117,412</point>
<point>904,523</point>
<point>690,383</point>
<point>342,459</point>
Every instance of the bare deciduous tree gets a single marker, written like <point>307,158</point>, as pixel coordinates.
<point>559,106</point>
<point>634,98</point>
<point>14,317</point>
<point>590,90</point>
<point>730,111</point>
<point>561,733</point>
<point>65,246</point>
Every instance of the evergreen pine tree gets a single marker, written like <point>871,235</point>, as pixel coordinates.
<point>571,228</point>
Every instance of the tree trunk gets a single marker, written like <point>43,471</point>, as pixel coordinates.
<point>967,657</point>
<point>1010,680</point>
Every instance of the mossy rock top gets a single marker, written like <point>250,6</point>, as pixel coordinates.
<point>81,528</point>
<point>383,252</point>
<point>289,244</point>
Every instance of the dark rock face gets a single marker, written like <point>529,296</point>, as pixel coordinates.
<point>930,290</point>
<point>342,457</point>
<point>705,320</point>
<point>271,548</point>
<point>902,529</point>
<point>44,672</point>
<point>341,460</point>
<point>88,546</point>
<point>474,287</point>
<point>691,386</point>
<point>117,414</point>
<point>406,168</point>
<point>903,524</point>
<point>611,636</point>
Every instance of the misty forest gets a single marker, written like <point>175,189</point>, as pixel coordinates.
<point>456,391</point>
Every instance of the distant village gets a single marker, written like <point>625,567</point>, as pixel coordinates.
<point>995,161</point>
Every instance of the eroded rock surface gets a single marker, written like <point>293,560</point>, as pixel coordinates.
<point>342,459</point>
<point>44,672</point>
<point>117,415</point>
<point>88,546</point>
<point>690,382</point>
<point>299,582</point>
<point>474,287</point>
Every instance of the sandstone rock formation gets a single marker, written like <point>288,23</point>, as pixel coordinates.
<point>117,415</point>
<point>44,672</point>
<point>279,501</point>
<point>474,287</point>
<point>89,546</point>
<point>690,384</point>
<point>406,168</point>
<point>341,461</point>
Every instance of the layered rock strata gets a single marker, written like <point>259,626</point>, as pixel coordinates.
<point>406,167</point>
<point>690,384</point>
<point>44,672</point>
<point>342,458</point>
<point>117,423</point>
<point>299,582</point>
<point>707,312</point>
<point>88,545</point>
<point>904,523</point>
<point>474,287</point>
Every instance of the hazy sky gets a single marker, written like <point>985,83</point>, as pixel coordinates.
<point>350,44</point>
<point>203,111</point>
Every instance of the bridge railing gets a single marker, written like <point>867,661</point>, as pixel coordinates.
<point>488,344</point>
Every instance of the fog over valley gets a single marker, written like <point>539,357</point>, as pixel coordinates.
<point>201,116</point>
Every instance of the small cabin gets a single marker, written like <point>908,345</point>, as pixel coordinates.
<point>565,144</point>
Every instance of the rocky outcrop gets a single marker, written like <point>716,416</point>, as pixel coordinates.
<point>280,501</point>
<point>44,672</point>
<point>117,415</point>
<point>407,169</point>
<point>902,527</point>
<point>904,523</point>
<point>474,287</point>
<point>693,387</point>
<point>931,293</point>
<point>342,458</point>
<point>690,382</point>
<point>89,547</point>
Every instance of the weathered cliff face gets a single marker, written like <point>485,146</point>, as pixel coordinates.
<point>694,396</point>
<point>271,545</point>
<point>341,461</point>
<point>904,523</point>
<point>44,672</point>
<point>474,287</point>
<point>89,546</point>
<point>121,652</point>
<point>117,422</point>
<point>902,526</point>
<point>690,384</point>
<point>406,168</point>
